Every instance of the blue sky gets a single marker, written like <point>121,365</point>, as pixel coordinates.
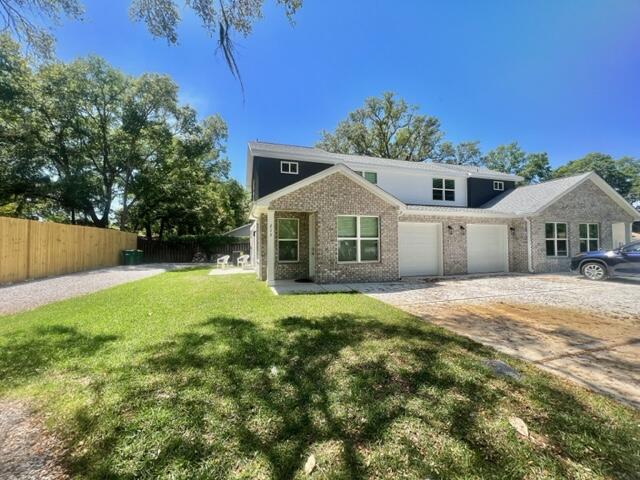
<point>557,76</point>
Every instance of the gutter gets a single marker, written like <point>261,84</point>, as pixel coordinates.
<point>529,246</point>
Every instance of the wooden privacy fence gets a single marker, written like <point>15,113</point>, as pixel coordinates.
<point>164,251</point>
<point>30,249</point>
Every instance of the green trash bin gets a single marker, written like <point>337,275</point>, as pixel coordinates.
<point>129,257</point>
<point>139,257</point>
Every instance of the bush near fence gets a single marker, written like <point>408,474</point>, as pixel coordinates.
<point>184,248</point>
<point>31,249</point>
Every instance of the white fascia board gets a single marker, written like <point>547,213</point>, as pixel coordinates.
<point>496,176</point>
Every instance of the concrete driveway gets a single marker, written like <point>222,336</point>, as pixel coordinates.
<point>586,331</point>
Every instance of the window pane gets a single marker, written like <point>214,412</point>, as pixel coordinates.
<point>593,245</point>
<point>449,195</point>
<point>583,230</point>
<point>368,226</point>
<point>551,248</point>
<point>437,183</point>
<point>347,226</point>
<point>368,250</point>
<point>287,250</point>
<point>287,228</point>
<point>347,251</point>
<point>562,248</point>
<point>437,195</point>
<point>583,246</point>
<point>449,184</point>
<point>549,230</point>
<point>593,230</point>
<point>371,176</point>
<point>561,229</point>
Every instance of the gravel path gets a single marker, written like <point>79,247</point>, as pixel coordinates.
<point>27,451</point>
<point>33,294</point>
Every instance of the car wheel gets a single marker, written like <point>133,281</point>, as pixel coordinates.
<point>594,271</point>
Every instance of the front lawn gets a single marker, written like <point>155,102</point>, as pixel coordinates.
<point>184,375</point>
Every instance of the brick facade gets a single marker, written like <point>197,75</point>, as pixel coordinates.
<point>336,195</point>
<point>587,203</point>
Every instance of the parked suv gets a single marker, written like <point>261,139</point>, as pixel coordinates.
<point>622,262</point>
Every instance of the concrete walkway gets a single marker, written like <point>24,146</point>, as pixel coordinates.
<point>588,332</point>
<point>35,293</point>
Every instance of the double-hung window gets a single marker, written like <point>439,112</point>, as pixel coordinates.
<point>358,238</point>
<point>288,240</point>
<point>556,239</point>
<point>370,176</point>
<point>444,189</point>
<point>289,167</point>
<point>589,237</point>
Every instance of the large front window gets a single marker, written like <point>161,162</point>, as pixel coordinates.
<point>358,239</point>
<point>288,239</point>
<point>589,237</point>
<point>556,239</point>
<point>444,189</point>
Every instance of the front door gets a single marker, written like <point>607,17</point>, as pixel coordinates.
<point>312,246</point>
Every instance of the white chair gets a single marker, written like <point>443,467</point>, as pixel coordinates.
<point>243,261</point>
<point>223,261</point>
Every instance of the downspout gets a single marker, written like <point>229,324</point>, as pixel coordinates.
<point>529,246</point>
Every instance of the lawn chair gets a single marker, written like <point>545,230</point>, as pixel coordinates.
<point>223,262</point>
<point>243,261</point>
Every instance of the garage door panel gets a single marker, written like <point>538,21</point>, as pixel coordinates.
<point>419,248</point>
<point>487,248</point>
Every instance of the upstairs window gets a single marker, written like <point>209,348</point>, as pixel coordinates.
<point>370,176</point>
<point>589,237</point>
<point>444,189</point>
<point>499,186</point>
<point>290,168</point>
<point>288,236</point>
<point>556,239</point>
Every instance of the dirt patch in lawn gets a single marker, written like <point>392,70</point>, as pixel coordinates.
<point>27,450</point>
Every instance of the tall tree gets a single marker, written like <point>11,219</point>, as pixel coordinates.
<point>623,174</point>
<point>536,168</point>
<point>510,158</point>
<point>464,153</point>
<point>385,127</point>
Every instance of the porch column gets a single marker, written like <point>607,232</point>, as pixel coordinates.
<point>628,229</point>
<point>271,247</point>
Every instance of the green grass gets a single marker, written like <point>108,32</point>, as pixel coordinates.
<point>184,375</point>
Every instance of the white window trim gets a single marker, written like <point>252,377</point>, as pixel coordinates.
<point>357,239</point>
<point>289,170</point>
<point>555,239</point>
<point>498,185</point>
<point>588,238</point>
<point>278,240</point>
<point>444,190</point>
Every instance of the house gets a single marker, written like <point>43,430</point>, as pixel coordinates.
<point>347,218</point>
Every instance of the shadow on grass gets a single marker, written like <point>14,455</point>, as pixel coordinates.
<point>30,353</point>
<point>233,398</point>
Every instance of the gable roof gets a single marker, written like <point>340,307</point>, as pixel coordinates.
<point>533,199</point>
<point>314,154</point>
<point>342,169</point>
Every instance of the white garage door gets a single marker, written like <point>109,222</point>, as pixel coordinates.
<point>487,248</point>
<point>419,248</point>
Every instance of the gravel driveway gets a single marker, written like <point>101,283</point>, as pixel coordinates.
<point>586,331</point>
<point>32,294</point>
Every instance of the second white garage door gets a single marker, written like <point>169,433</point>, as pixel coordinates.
<point>487,248</point>
<point>420,248</point>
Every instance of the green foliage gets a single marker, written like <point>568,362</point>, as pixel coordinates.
<point>189,376</point>
<point>465,153</point>
<point>622,174</point>
<point>81,137</point>
<point>510,158</point>
<point>385,127</point>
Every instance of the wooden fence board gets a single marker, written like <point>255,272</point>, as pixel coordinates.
<point>30,249</point>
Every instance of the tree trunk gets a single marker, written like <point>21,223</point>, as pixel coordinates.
<point>147,228</point>
<point>161,229</point>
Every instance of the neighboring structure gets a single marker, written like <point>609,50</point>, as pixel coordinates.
<point>345,218</point>
<point>242,232</point>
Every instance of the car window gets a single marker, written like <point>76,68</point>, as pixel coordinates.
<point>634,248</point>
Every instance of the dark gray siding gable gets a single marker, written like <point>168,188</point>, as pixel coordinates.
<point>268,179</point>
<point>480,191</point>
